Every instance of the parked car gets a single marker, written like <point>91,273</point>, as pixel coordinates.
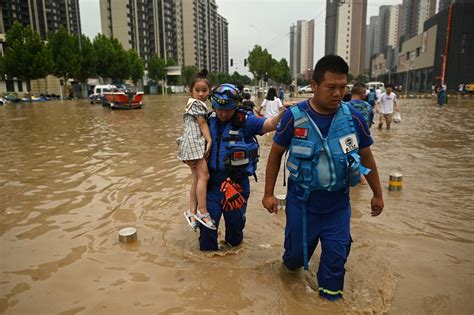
<point>97,96</point>
<point>305,89</point>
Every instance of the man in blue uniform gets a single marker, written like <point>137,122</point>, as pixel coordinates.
<point>329,148</point>
<point>234,156</point>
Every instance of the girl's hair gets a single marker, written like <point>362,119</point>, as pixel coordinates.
<point>271,94</point>
<point>201,76</point>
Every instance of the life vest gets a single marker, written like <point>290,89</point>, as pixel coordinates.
<point>365,109</point>
<point>330,163</point>
<point>371,98</point>
<point>232,152</point>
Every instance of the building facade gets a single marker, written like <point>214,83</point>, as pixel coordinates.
<point>413,14</point>
<point>302,48</point>
<point>370,42</point>
<point>443,53</point>
<point>346,32</point>
<point>191,32</point>
<point>43,15</point>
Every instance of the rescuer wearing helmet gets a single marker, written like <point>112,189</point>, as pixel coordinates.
<point>234,156</point>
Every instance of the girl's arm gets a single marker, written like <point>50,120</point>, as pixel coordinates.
<point>205,133</point>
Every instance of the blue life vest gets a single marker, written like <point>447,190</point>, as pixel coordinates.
<point>365,109</point>
<point>232,153</point>
<point>371,98</point>
<point>318,163</point>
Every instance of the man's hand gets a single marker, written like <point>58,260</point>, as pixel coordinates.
<point>377,206</point>
<point>270,203</point>
<point>208,151</point>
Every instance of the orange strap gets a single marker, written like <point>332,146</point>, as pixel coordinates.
<point>233,199</point>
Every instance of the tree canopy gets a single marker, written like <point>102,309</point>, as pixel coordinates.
<point>261,62</point>
<point>65,53</point>
<point>26,55</point>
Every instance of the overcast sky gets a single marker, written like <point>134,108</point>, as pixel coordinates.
<point>251,22</point>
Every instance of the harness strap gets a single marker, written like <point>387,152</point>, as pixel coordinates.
<point>305,228</point>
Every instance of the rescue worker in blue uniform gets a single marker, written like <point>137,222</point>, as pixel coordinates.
<point>233,157</point>
<point>329,148</point>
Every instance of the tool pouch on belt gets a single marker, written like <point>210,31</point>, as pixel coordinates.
<point>233,199</point>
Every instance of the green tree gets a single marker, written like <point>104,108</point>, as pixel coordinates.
<point>259,61</point>
<point>103,50</point>
<point>187,74</point>
<point>112,59</point>
<point>350,77</point>
<point>26,55</point>
<point>362,78</point>
<point>156,68</point>
<point>87,59</point>
<point>283,73</point>
<point>300,81</point>
<point>136,66</point>
<point>121,68</point>
<point>65,53</point>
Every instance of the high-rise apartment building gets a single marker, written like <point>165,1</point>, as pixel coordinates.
<point>387,28</point>
<point>301,47</point>
<point>43,15</point>
<point>345,32</point>
<point>370,40</point>
<point>205,36</point>
<point>412,16</point>
<point>148,27</point>
<point>189,31</point>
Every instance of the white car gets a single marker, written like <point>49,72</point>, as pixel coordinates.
<point>305,89</point>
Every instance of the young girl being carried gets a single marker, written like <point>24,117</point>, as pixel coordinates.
<point>194,148</point>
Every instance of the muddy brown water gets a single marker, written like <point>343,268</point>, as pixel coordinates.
<point>73,174</point>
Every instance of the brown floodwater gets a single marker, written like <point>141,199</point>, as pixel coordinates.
<point>73,174</point>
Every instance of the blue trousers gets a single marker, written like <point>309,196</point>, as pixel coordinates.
<point>333,229</point>
<point>234,221</point>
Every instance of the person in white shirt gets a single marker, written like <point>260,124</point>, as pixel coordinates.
<point>385,106</point>
<point>271,104</point>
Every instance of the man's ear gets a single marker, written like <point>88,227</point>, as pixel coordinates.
<point>314,86</point>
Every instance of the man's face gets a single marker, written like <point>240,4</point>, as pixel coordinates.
<point>329,93</point>
<point>224,114</point>
<point>389,90</point>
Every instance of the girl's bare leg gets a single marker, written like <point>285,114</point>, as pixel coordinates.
<point>201,188</point>
<point>193,201</point>
<point>202,174</point>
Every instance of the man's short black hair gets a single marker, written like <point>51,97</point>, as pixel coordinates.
<point>389,86</point>
<point>358,88</point>
<point>329,63</point>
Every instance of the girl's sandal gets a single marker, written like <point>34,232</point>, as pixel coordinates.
<point>210,224</point>
<point>189,216</point>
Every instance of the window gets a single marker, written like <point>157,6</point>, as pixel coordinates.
<point>10,86</point>
<point>20,85</point>
<point>418,50</point>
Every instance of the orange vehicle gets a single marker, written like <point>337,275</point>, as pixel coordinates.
<point>123,100</point>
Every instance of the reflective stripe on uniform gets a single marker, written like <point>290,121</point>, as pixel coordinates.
<point>302,150</point>
<point>331,292</point>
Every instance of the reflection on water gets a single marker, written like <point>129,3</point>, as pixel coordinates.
<point>73,174</point>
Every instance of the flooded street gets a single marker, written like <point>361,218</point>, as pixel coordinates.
<point>73,174</point>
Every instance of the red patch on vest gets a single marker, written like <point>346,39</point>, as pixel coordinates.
<point>301,133</point>
<point>239,155</point>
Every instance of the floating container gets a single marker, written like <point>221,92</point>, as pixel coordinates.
<point>281,201</point>
<point>395,182</point>
<point>128,235</point>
